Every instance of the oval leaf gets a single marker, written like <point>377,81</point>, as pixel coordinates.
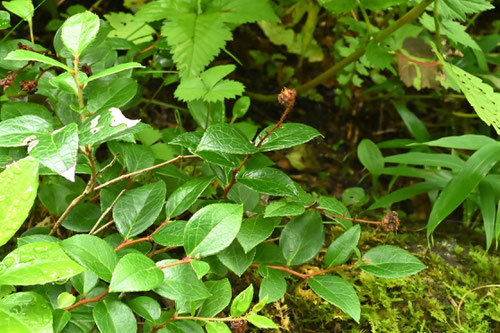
<point>79,31</point>
<point>112,316</point>
<point>341,248</point>
<point>135,272</point>
<point>391,262</point>
<point>288,135</point>
<point>370,156</point>
<point>25,312</point>
<point>269,181</point>
<point>185,196</point>
<point>225,138</point>
<point>242,302</point>
<point>261,321</point>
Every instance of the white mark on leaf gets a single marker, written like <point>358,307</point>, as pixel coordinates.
<point>32,145</point>
<point>69,173</point>
<point>118,119</point>
<point>28,139</point>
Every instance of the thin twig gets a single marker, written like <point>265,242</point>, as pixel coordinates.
<point>104,227</point>
<point>185,260</point>
<point>148,238</point>
<point>87,300</point>
<point>106,212</point>
<point>110,164</point>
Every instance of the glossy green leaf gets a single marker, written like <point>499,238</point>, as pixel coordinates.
<point>137,209</point>
<point>487,205</point>
<point>37,263</point>
<point>273,285</point>
<point>240,107</point>
<point>22,8</point>
<point>284,207</point>
<point>225,138</point>
<point>66,82</point>
<point>221,297</point>
<point>17,109</point>
<point>113,316</point>
<point>146,307</point>
<point>242,301</point>
<point>14,132</point>
<point>341,249</point>
<point>82,218</point>
<point>338,292</point>
<point>84,282</point>
<point>18,189</point>
<point>104,125</point>
<point>171,235</point>
<point>287,136</point>
<point>186,195</point>
<point>415,126</point>
<point>269,181</point>
<point>116,94</point>
<point>302,238</point>
<point>60,319</point>
<point>79,31</point>
<point>4,19</point>
<point>132,156</point>
<point>65,299</point>
<point>201,268</point>
<point>212,229</point>
<point>370,156</point>
<point>255,230</point>
<point>57,150</point>
<point>391,262</point>
<point>113,70</point>
<point>466,141</point>
<point>269,254</point>
<point>25,55</point>
<point>261,321</point>
<point>455,192</point>
<point>180,283</point>
<point>235,258</point>
<point>25,312</point>
<point>217,327</point>
<point>428,159</point>
<point>333,206</point>
<point>135,272</point>
<point>93,253</point>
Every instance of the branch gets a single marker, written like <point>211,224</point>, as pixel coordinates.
<point>87,300</point>
<point>148,238</point>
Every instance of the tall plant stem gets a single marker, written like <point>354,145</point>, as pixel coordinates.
<point>358,53</point>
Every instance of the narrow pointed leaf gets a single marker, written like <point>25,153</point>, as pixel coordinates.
<point>113,70</point>
<point>241,303</point>
<point>25,55</point>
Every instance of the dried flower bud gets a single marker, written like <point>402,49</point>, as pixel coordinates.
<point>30,87</point>
<point>287,97</point>
<point>390,221</point>
<point>238,326</point>
<point>8,81</point>
<point>86,69</point>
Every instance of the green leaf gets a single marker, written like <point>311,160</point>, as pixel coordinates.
<point>135,272</point>
<point>415,126</point>
<point>65,82</point>
<point>116,94</point>
<point>273,285</point>
<point>341,249</point>
<point>355,196</point>
<point>113,316</point>
<point>57,150</point>
<point>403,194</point>
<point>288,135</point>
<point>255,230</point>
<point>221,297</point>
<point>225,138</point>
<point>137,209</point>
<point>240,107</point>
<point>18,189</point>
<point>79,31</point>
<point>22,8</point>
<point>146,307</point>
<point>212,229</point>
<point>4,19</point>
<point>428,159</point>
<point>195,40</point>
<point>242,11</point>
<point>235,258</point>
<point>19,55</point>
<point>333,206</point>
<point>25,312</point>
<point>17,109</point>
<point>201,268</point>
<point>261,321</point>
<point>85,282</point>
<point>60,318</point>
<point>105,125</point>
<point>487,205</point>
<point>171,235</point>
<point>269,181</point>
<point>458,9</point>
<point>37,263</point>
<point>284,207</point>
<point>113,70</point>
<point>392,262</point>
<point>338,292</point>
<point>132,156</point>
<point>186,195</point>
<point>180,283</point>
<point>242,302</point>
<point>65,299</point>
<point>378,55</point>
<point>217,327</point>
<point>92,253</point>
<point>302,238</point>
<point>466,141</point>
<point>370,156</point>
<point>455,192</point>
<point>14,131</point>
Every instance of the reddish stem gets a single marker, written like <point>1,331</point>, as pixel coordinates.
<point>87,300</point>
<point>185,260</point>
<point>148,238</point>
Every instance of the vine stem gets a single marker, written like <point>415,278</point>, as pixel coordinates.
<point>310,275</point>
<point>358,53</point>
<point>148,238</point>
<point>87,300</point>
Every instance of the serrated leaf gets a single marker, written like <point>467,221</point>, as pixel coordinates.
<point>389,261</point>
<point>17,109</point>
<point>135,272</point>
<point>18,190</point>
<point>455,192</point>
<point>242,301</point>
<point>79,31</point>
<point>57,150</point>
<point>225,138</point>
<point>195,40</point>
<point>235,258</point>
<point>113,316</point>
<point>129,27</point>
<point>458,9</point>
<point>284,207</point>
<point>137,209</point>
<point>338,292</point>
<point>242,11</point>
<point>171,235</point>
<point>221,297</point>
<point>254,230</point>
<point>146,307</point>
<point>37,263</point>
<point>341,249</point>
<point>117,94</point>
<point>180,283</point>
<point>186,195</point>
<point>212,229</point>
<point>287,136</point>
<point>269,181</point>
<point>113,70</point>
<point>25,312</point>
<point>302,238</point>
<point>273,285</point>
<point>378,56</point>
<point>93,253</point>
<point>14,131</point>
